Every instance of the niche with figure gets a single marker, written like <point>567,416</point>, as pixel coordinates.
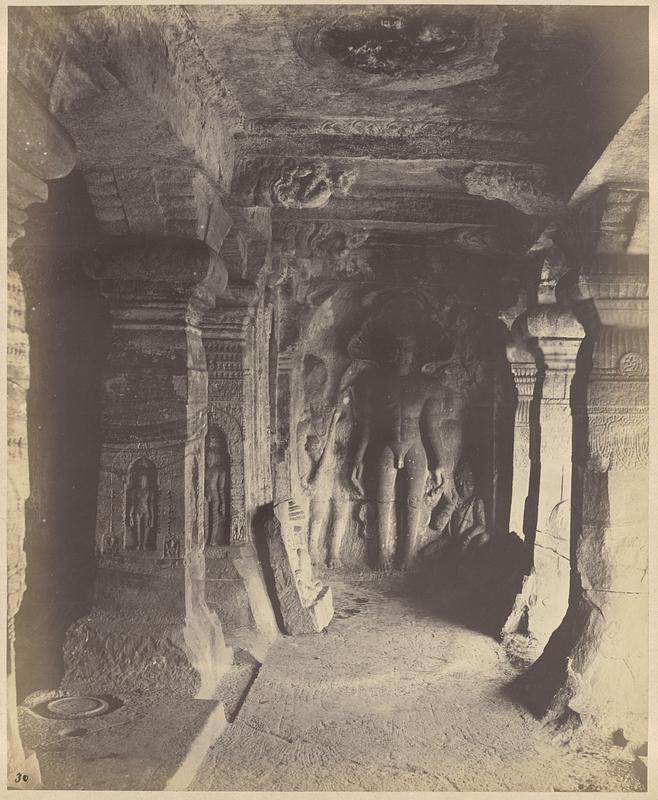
<point>142,506</point>
<point>217,489</point>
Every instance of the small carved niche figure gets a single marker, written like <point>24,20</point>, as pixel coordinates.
<point>216,486</point>
<point>141,504</point>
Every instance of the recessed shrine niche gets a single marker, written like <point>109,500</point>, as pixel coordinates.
<point>138,512</point>
<point>394,400</point>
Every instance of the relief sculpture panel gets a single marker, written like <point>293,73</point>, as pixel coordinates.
<point>382,451</point>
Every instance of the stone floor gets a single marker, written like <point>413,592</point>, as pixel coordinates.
<point>397,694</point>
<point>405,691</point>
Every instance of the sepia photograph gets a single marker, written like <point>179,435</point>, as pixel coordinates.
<point>327,398</point>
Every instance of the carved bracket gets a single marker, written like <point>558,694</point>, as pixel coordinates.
<point>289,183</point>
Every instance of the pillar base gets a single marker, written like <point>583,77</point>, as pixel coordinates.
<point>149,631</point>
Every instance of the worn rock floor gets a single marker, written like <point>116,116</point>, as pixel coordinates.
<point>395,695</point>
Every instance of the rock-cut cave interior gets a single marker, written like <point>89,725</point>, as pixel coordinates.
<point>328,378</point>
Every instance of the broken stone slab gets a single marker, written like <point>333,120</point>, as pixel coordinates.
<point>304,604</point>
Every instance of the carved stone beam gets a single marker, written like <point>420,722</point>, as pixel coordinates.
<point>155,52</point>
<point>158,201</point>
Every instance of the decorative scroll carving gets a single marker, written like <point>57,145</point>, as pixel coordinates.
<point>290,184</point>
<point>523,186</point>
<point>388,128</point>
<point>320,255</point>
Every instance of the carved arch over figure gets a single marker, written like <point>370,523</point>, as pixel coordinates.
<point>228,425</point>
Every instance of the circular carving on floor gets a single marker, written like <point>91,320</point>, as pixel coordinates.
<point>77,706</point>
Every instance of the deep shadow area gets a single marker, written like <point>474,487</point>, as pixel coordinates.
<point>68,327</point>
<point>477,588</point>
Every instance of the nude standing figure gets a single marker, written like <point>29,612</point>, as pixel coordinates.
<point>140,515</point>
<point>410,423</point>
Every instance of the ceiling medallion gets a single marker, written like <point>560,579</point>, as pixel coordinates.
<point>431,46</point>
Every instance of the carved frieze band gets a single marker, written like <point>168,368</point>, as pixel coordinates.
<point>387,127</point>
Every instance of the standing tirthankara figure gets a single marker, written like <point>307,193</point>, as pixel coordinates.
<point>323,435</point>
<point>216,482</point>
<point>140,514</point>
<point>408,422</point>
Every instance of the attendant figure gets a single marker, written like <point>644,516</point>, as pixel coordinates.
<point>459,517</point>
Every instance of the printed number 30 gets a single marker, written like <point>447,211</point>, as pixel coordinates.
<point>20,777</point>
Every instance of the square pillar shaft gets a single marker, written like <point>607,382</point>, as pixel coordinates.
<point>150,595</point>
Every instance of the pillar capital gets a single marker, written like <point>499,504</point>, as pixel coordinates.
<point>158,272</point>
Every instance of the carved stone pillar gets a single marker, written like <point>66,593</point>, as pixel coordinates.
<point>594,670</point>
<point>608,682</point>
<point>544,598</point>
<point>524,372</point>
<point>39,149</point>
<point>559,336</point>
<point>150,590</point>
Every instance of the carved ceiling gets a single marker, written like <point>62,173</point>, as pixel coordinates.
<point>401,121</point>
